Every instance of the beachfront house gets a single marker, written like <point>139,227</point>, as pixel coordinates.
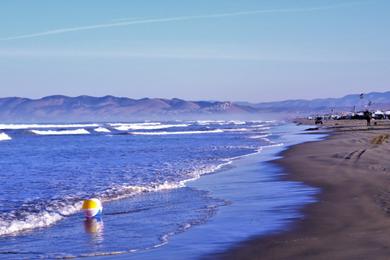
<point>387,114</point>
<point>378,115</point>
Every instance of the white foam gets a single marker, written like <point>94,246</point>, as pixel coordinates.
<point>236,122</point>
<point>262,128</point>
<point>121,192</point>
<point>37,220</point>
<point>60,132</point>
<point>274,145</point>
<point>30,126</point>
<point>220,122</point>
<point>59,210</point>
<point>127,127</point>
<point>209,122</point>
<point>4,137</point>
<point>145,123</point>
<point>238,129</point>
<point>49,217</point>
<point>259,136</point>
<point>178,132</point>
<point>102,130</point>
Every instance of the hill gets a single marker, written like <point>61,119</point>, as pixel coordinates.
<point>60,108</point>
<point>325,105</point>
<point>109,108</point>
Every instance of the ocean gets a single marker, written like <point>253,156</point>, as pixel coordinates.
<point>158,182</point>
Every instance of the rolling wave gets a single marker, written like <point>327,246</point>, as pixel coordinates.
<point>31,126</point>
<point>209,122</point>
<point>178,132</point>
<point>238,129</point>
<point>220,122</point>
<point>259,136</point>
<point>261,127</point>
<point>144,123</point>
<point>61,132</point>
<point>127,127</point>
<point>4,137</point>
<point>34,216</point>
<point>102,130</point>
<point>39,214</point>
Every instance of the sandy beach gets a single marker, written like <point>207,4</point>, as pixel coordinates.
<point>351,218</point>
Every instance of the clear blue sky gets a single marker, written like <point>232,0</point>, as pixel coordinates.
<point>250,50</point>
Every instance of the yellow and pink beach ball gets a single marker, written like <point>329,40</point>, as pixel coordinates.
<point>92,208</point>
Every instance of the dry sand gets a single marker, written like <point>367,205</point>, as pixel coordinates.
<point>351,219</point>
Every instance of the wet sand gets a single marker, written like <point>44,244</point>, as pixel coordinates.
<point>351,218</point>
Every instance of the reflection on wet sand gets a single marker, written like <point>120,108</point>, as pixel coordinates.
<point>95,228</point>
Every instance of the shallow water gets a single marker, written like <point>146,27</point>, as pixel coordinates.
<point>260,203</point>
<point>45,177</point>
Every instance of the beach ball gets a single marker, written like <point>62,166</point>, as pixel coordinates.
<point>92,208</point>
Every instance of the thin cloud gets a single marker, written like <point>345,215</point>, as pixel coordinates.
<point>188,54</point>
<point>173,19</point>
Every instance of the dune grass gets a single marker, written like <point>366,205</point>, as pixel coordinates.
<point>380,139</point>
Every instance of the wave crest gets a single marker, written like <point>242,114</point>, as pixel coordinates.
<point>127,127</point>
<point>41,214</point>
<point>30,126</point>
<point>102,130</point>
<point>61,132</point>
<point>178,132</point>
<point>4,137</point>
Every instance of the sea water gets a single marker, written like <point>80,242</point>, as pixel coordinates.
<point>141,171</point>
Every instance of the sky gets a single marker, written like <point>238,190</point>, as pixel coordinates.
<point>247,50</point>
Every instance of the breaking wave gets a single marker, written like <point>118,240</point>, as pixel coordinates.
<point>143,126</point>
<point>4,137</point>
<point>39,214</point>
<point>30,126</point>
<point>61,132</point>
<point>145,123</point>
<point>220,122</point>
<point>259,136</point>
<point>238,129</point>
<point>179,132</point>
<point>102,130</point>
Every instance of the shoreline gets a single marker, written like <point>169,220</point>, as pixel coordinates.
<point>350,219</point>
<point>244,215</point>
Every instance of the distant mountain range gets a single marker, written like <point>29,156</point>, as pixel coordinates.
<point>349,103</point>
<point>110,108</point>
